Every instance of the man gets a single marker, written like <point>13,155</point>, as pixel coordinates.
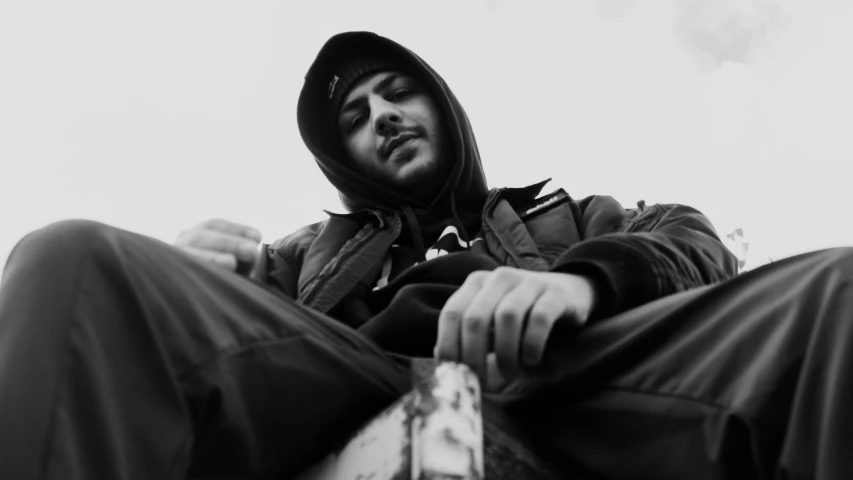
<point>617,337</point>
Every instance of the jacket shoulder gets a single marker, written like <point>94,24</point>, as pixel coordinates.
<point>604,214</point>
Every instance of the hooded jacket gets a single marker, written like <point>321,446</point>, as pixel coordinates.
<point>632,255</point>
<point>465,190</point>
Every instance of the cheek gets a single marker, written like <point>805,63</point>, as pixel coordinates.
<point>360,150</point>
<point>438,140</point>
<point>431,119</point>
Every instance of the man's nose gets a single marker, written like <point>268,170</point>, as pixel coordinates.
<point>386,118</point>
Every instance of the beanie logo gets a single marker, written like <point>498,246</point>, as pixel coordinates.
<point>332,85</point>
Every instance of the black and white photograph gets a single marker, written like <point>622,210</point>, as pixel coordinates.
<point>387,240</point>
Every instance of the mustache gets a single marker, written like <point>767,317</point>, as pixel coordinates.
<point>401,134</point>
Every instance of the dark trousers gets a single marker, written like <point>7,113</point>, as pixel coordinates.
<point>121,357</point>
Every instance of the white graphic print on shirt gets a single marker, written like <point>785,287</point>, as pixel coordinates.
<point>448,242</point>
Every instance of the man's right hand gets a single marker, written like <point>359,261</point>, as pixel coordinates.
<point>220,242</point>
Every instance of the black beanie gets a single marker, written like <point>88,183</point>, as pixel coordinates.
<point>349,72</point>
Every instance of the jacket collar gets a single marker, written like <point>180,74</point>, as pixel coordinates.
<point>345,236</point>
<point>519,197</point>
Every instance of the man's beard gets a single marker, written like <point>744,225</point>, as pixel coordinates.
<point>423,182</point>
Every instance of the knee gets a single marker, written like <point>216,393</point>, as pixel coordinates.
<point>64,236</point>
<point>59,245</point>
<point>838,260</point>
<point>821,268</point>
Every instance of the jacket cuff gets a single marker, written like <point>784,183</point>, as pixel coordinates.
<point>622,276</point>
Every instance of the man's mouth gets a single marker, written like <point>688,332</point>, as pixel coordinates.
<point>396,142</point>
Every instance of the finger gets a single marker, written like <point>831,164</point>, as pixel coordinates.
<point>241,247</point>
<point>477,322</point>
<point>549,307</point>
<point>448,341</point>
<point>495,378</point>
<point>509,318</point>
<point>221,259</point>
<point>227,226</point>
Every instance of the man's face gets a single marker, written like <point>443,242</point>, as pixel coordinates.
<point>392,130</point>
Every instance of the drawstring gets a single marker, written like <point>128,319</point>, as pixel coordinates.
<point>458,220</point>
<point>415,230</point>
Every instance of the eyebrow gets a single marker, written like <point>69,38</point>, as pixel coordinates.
<point>382,85</point>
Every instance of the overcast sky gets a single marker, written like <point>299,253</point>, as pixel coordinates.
<point>156,115</point>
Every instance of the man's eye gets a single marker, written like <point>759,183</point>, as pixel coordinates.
<point>356,121</point>
<point>400,94</point>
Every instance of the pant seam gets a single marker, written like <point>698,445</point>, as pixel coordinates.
<point>235,350</point>
<point>368,348</point>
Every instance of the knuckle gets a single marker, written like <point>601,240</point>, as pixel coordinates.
<point>550,305</point>
<point>220,242</point>
<point>192,237</point>
<point>507,314</point>
<point>538,320</point>
<point>505,272</point>
<point>476,276</point>
<point>505,277</point>
<point>450,314</point>
<point>216,224</point>
<point>476,324</point>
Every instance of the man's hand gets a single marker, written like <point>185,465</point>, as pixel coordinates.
<point>221,242</point>
<point>517,309</point>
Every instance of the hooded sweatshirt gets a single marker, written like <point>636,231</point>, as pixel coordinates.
<point>458,205</point>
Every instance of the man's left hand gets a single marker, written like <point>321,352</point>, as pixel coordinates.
<point>517,309</point>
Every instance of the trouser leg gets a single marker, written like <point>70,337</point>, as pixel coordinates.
<point>121,357</point>
<point>752,378</point>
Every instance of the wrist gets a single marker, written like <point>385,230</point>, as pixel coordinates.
<point>585,292</point>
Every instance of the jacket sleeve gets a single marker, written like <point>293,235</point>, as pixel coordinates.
<point>635,257</point>
<point>285,257</point>
<point>281,275</point>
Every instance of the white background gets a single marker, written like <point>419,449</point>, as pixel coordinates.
<point>155,115</point>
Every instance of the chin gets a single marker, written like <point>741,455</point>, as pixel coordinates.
<point>415,171</point>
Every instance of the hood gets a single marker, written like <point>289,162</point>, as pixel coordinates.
<point>465,189</point>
